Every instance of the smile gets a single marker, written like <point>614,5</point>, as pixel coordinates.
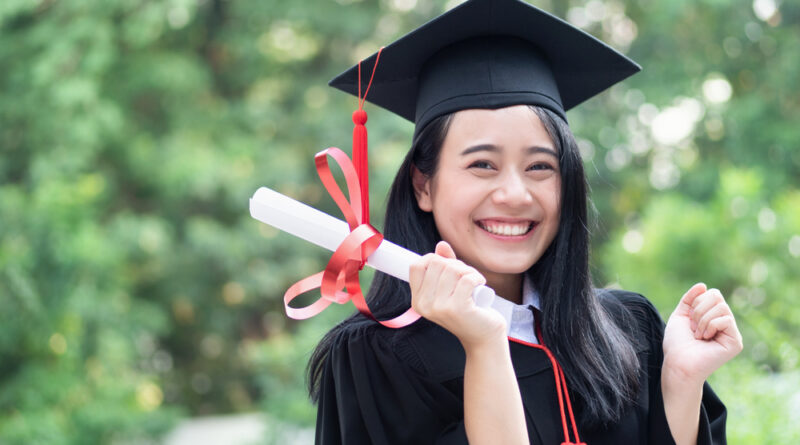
<point>502,228</point>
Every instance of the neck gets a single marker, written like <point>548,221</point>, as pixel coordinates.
<point>508,286</point>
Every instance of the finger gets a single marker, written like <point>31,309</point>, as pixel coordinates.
<point>427,288</point>
<point>431,277</point>
<point>693,293</point>
<point>466,284</point>
<point>444,249</point>
<point>702,304</point>
<point>446,284</point>
<point>415,274</point>
<point>726,326</point>
<point>719,310</point>
<point>705,301</point>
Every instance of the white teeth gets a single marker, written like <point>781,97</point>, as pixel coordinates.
<point>506,229</point>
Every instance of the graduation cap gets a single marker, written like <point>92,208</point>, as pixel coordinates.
<point>488,54</point>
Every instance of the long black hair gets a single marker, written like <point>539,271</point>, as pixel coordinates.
<point>599,360</point>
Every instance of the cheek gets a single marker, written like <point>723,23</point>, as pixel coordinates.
<point>551,201</point>
<point>454,194</point>
<point>450,213</point>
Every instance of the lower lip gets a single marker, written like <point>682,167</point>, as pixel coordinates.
<point>508,237</point>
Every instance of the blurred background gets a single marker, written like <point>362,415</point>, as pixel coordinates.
<point>140,303</point>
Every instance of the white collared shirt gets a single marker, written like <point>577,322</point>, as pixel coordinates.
<point>520,324</point>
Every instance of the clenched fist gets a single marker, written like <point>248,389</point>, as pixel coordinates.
<point>701,335</point>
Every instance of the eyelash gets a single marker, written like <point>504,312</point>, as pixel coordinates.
<point>478,164</point>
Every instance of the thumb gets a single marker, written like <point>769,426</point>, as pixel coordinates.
<point>444,249</point>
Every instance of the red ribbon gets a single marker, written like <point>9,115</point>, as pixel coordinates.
<point>351,255</point>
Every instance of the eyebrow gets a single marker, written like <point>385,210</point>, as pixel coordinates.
<point>495,149</point>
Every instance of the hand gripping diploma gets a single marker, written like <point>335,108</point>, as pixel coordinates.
<point>441,288</point>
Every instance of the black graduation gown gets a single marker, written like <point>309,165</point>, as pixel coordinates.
<point>405,386</point>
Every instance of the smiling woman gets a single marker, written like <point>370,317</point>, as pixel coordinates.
<point>493,191</point>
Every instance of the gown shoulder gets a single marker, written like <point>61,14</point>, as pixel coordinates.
<point>377,387</point>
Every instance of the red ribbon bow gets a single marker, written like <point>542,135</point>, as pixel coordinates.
<point>349,258</point>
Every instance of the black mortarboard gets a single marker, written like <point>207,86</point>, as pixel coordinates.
<point>489,54</point>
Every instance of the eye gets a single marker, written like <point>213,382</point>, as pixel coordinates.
<point>483,165</point>
<point>541,166</point>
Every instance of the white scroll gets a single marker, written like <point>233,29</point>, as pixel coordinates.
<point>312,225</point>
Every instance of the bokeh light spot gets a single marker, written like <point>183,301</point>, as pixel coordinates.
<point>759,272</point>
<point>149,396</point>
<point>794,246</point>
<point>633,241</point>
<point>233,293</point>
<point>58,344</point>
<point>717,89</point>
<point>765,9</point>
<point>767,219</point>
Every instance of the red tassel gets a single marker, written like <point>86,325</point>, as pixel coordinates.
<point>360,160</point>
<point>360,142</point>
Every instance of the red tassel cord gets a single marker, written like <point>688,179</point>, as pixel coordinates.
<point>562,393</point>
<point>360,160</point>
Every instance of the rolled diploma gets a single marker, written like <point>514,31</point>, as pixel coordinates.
<point>312,225</point>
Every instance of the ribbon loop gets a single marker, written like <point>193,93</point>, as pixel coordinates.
<point>352,209</point>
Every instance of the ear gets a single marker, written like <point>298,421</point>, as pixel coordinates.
<point>422,189</point>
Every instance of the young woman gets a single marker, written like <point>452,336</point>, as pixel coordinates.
<point>494,187</point>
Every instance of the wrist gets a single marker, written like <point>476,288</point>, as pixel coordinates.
<point>678,378</point>
<point>491,344</point>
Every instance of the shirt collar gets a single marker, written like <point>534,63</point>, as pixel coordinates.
<point>529,295</point>
<point>520,317</point>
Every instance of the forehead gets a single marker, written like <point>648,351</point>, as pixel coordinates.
<point>510,128</point>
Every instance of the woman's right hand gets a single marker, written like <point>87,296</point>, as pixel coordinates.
<point>441,291</point>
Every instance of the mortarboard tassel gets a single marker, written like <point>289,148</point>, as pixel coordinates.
<point>360,160</point>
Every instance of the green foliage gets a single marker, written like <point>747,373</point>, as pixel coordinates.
<point>762,406</point>
<point>135,289</point>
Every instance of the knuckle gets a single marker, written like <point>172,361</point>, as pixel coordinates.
<point>450,265</point>
<point>465,282</point>
<point>474,280</point>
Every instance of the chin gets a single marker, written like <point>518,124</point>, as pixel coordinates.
<point>508,267</point>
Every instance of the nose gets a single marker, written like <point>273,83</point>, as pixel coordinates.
<point>512,191</point>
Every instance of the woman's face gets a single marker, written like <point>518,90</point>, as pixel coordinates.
<point>496,192</point>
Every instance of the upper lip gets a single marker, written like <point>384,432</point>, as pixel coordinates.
<point>506,220</point>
